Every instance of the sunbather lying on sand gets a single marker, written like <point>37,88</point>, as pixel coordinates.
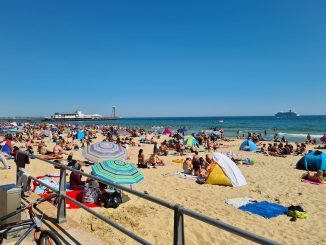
<point>51,157</point>
<point>314,177</point>
<point>41,149</point>
<point>58,149</point>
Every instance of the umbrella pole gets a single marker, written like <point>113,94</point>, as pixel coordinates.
<point>131,187</point>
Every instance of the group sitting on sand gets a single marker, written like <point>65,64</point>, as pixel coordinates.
<point>283,149</point>
<point>197,166</point>
<point>153,160</point>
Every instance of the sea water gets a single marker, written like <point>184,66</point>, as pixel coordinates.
<point>294,129</point>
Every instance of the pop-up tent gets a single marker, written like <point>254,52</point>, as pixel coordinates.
<point>167,131</point>
<point>191,141</point>
<point>248,145</point>
<point>313,161</point>
<point>224,171</point>
<point>80,135</point>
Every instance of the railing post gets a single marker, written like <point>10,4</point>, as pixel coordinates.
<point>61,210</point>
<point>179,236</point>
<point>18,181</point>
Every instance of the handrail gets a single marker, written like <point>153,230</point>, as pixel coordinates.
<point>179,211</point>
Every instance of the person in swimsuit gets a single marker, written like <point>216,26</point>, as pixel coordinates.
<point>317,177</point>
<point>58,149</point>
<point>196,165</point>
<point>41,149</point>
<point>155,160</point>
<point>141,159</point>
<point>187,166</point>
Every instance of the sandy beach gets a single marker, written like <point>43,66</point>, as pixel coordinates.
<point>273,179</point>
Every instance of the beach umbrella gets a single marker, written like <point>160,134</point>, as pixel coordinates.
<point>181,130</point>
<point>191,141</point>
<point>211,132</point>
<point>217,133</point>
<point>118,172</point>
<point>123,133</point>
<point>103,151</point>
<point>167,131</point>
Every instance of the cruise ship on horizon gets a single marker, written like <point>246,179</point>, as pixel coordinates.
<point>289,113</point>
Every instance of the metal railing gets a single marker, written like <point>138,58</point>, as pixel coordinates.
<point>179,211</point>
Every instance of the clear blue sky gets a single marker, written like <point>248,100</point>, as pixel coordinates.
<point>163,58</point>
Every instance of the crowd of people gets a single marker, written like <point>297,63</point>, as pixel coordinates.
<point>36,138</point>
<point>283,149</point>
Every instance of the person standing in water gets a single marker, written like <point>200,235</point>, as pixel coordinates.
<point>308,138</point>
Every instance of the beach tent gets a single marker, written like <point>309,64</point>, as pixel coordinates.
<point>123,133</point>
<point>248,145</point>
<point>167,131</point>
<point>191,141</point>
<point>80,135</point>
<point>313,161</point>
<point>224,171</point>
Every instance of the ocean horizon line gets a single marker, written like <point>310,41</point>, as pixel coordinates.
<point>150,117</point>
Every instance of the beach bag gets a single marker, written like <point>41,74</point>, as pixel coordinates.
<point>113,200</point>
<point>90,195</point>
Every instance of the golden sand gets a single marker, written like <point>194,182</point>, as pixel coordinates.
<point>273,179</point>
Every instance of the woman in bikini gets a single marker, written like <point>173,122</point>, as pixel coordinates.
<point>141,159</point>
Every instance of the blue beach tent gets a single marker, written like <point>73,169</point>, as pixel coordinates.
<point>313,161</point>
<point>248,145</point>
<point>80,135</point>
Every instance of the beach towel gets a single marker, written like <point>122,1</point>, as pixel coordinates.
<point>311,182</point>
<point>185,176</point>
<point>240,201</point>
<point>265,209</point>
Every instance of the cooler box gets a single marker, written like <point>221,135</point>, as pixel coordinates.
<point>10,201</point>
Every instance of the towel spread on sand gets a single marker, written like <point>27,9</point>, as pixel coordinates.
<point>311,182</point>
<point>240,201</point>
<point>185,176</point>
<point>265,209</point>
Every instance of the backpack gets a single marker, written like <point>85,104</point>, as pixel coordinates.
<point>113,200</point>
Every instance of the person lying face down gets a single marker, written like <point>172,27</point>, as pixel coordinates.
<point>315,177</point>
